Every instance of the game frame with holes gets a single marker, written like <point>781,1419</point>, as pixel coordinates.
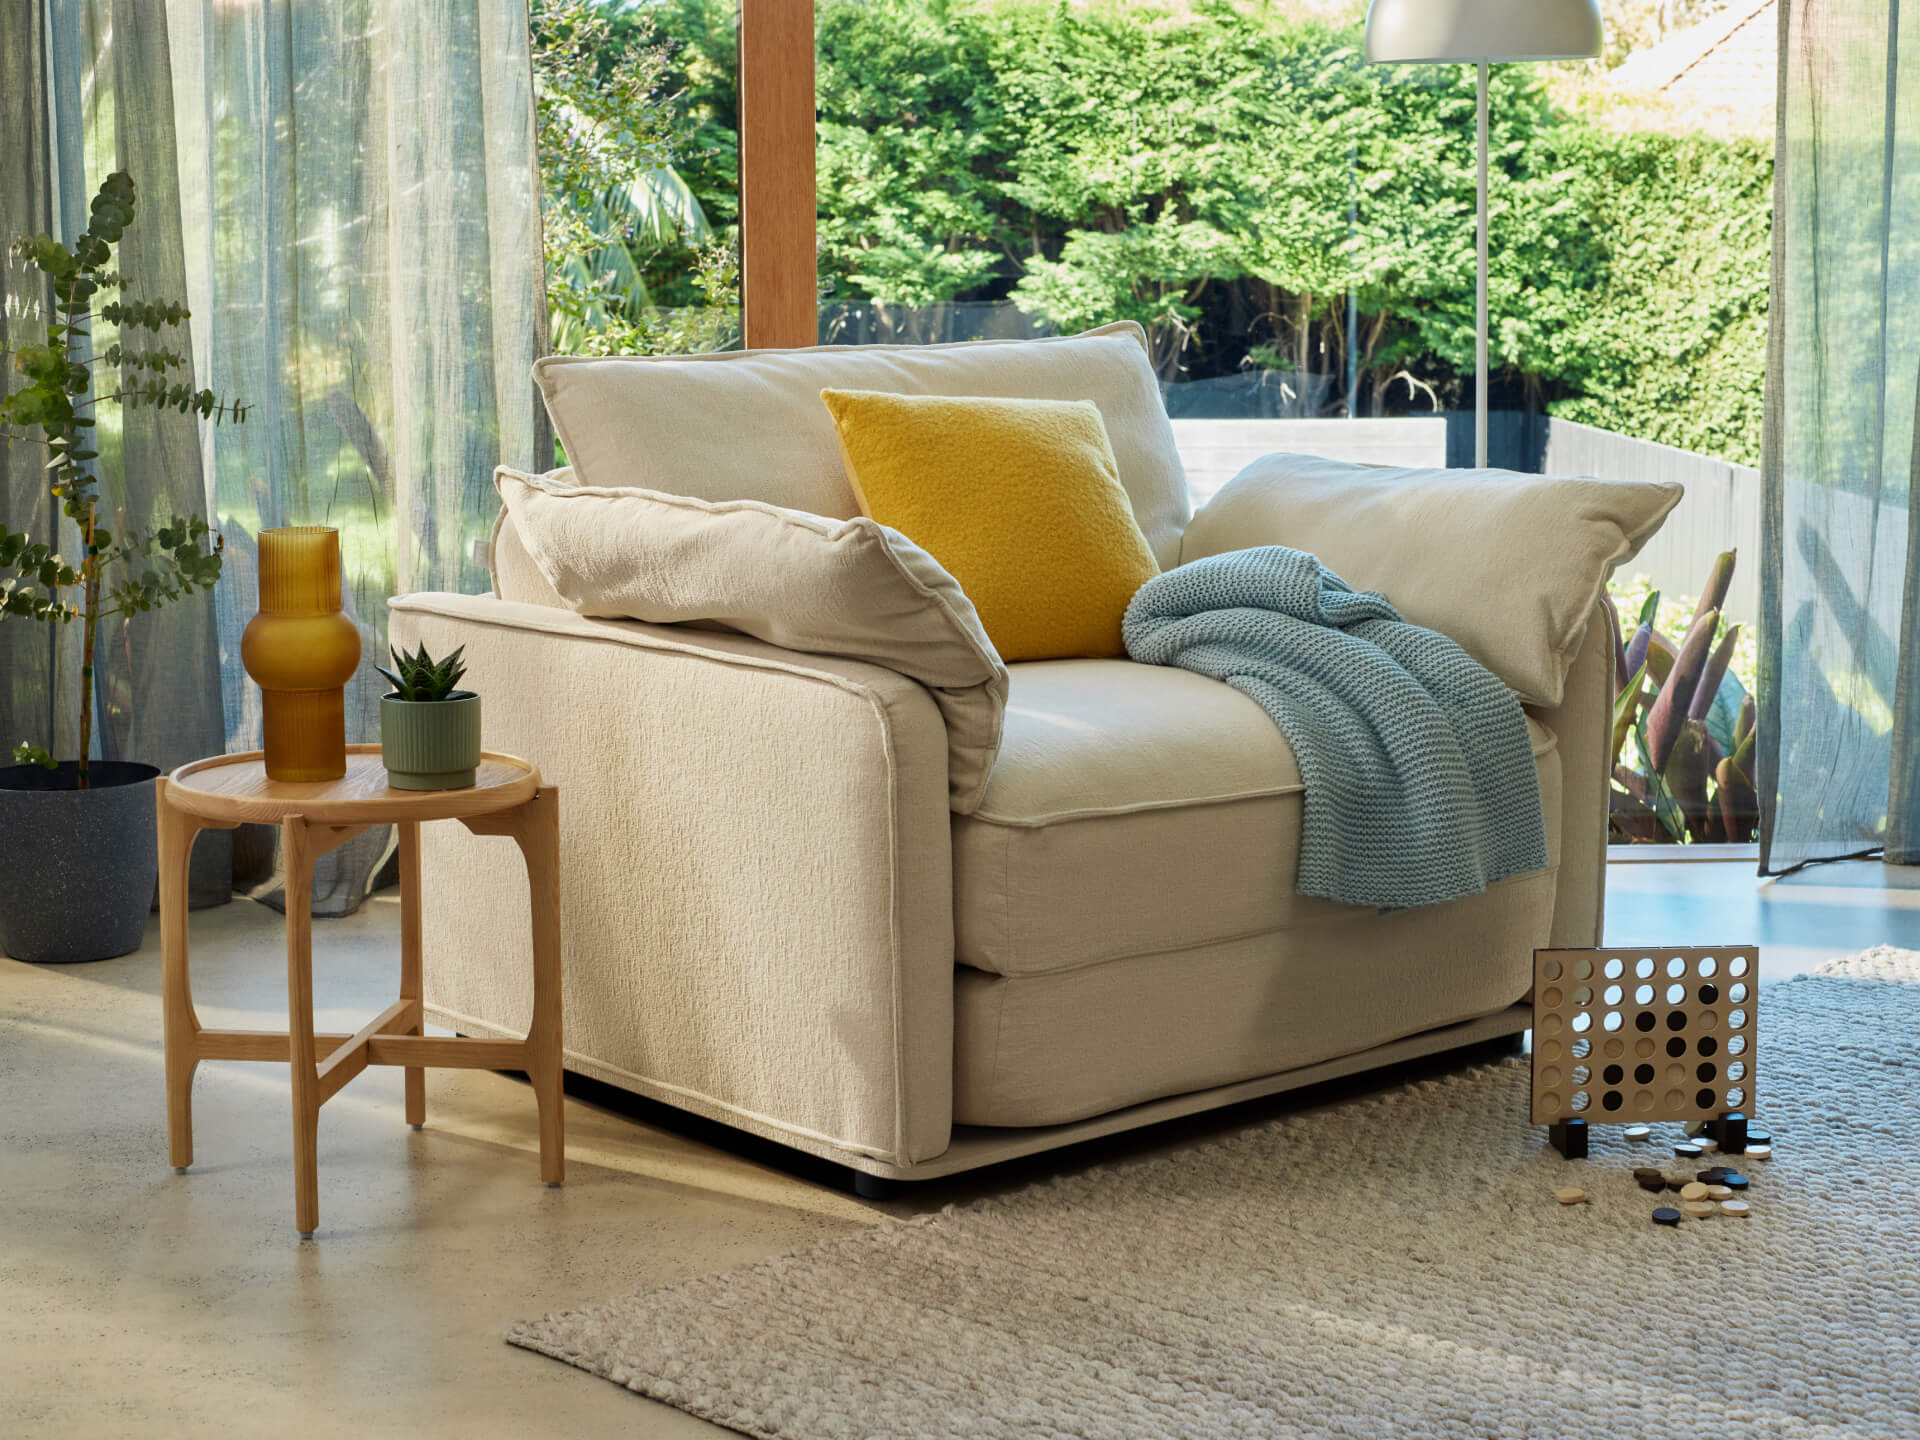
<point>1640,1035</point>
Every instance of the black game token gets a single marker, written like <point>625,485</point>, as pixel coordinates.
<point>1688,1151</point>
<point>1714,1174</point>
<point>1733,1181</point>
<point>1757,1136</point>
<point>1666,1215</point>
<point>1652,1182</point>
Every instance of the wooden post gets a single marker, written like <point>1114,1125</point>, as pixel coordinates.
<point>301,1045</point>
<point>410,987</point>
<point>779,288</point>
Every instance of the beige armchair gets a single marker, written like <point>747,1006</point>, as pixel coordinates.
<point>774,919</point>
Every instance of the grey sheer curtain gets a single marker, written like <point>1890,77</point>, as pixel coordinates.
<point>1840,732</point>
<point>80,83</point>
<point>345,193</point>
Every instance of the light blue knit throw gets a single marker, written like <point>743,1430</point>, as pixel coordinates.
<point>1420,780</point>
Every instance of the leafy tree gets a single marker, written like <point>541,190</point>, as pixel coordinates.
<point>1228,174</point>
<point>906,98</point>
<point>626,238</point>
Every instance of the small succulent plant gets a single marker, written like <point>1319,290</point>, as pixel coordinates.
<point>1692,724</point>
<point>422,678</point>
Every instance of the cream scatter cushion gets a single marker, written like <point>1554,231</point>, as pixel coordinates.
<point>1510,566</point>
<point>804,582</point>
<point>749,425</point>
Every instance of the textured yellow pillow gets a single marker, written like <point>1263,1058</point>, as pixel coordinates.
<point>1019,500</point>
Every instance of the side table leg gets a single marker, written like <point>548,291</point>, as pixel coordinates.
<point>300,1042</point>
<point>410,987</point>
<point>180,1026</point>
<point>539,838</point>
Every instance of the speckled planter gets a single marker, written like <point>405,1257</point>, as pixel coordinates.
<point>430,744</point>
<point>77,867</point>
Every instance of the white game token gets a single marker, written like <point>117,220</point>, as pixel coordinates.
<point>1639,1132</point>
<point>1719,1192</point>
<point>1760,1152</point>
<point>1737,1208</point>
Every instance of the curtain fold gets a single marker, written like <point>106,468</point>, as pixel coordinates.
<point>1840,648</point>
<point>367,262</point>
<point>345,194</point>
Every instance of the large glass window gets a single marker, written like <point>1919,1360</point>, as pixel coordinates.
<point>1294,230</point>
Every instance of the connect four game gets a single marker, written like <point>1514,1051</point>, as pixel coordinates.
<point>1640,1036</point>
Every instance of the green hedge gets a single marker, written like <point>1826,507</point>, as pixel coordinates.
<point>1197,171</point>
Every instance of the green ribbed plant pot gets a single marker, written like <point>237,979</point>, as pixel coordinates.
<point>430,744</point>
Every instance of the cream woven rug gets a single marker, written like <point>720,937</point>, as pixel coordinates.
<point>1396,1267</point>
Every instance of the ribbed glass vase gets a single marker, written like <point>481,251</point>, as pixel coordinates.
<point>301,651</point>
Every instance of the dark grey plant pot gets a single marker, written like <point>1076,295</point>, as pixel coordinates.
<point>430,744</point>
<point>77,867</point>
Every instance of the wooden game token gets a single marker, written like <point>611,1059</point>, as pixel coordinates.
<point>1666,1215</point>
<point>1759,1152</point>
<point>1694,1190</point>
<point>1719,1192</point>
<point>1570,1195</point>
<point>1639,1132</point>
<point>1699,1209</point>
<point>1739,1209</point>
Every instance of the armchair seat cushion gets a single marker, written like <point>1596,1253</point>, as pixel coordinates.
<point>1136,809</point>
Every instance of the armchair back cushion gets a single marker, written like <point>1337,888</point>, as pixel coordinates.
<point>1509,566</point>
<point>851,588</point>
<point>749,425</point>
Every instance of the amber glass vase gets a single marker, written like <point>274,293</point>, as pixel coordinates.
<point>301,651</point>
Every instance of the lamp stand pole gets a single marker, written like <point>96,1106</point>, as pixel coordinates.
<point>1480,294</point>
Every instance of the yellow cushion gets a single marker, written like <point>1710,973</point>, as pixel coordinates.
<point>1019,500</point>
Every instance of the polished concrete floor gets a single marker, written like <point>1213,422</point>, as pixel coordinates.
<point>134,1301</point>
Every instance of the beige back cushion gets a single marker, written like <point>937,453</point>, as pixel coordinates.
<point>749,424</point>
<point>1510,566</point>
<point>851,588</point>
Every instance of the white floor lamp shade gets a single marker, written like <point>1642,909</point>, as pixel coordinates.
<point>1482,32</point>
<point>1414,31</point>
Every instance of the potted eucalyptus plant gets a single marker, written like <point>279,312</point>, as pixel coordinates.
<point>77,843</point>
<point>429,729</point>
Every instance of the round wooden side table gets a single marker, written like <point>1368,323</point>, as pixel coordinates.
<point>506,798</point>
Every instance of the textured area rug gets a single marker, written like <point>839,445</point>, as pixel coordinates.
<point>1396,1266</point>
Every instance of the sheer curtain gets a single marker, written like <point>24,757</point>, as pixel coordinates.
<point>345,193</point>
<point>1840,732</point>
<point>363,254</point>
<point>86,86</point>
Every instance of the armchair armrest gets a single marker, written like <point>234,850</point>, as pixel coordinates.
<point>756,872</point>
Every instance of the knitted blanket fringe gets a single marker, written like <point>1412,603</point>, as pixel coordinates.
<point>1419,773</point>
